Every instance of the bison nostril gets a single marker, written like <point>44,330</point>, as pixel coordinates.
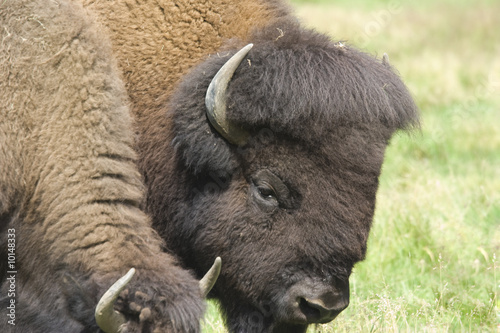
<point>314,302</point>
<point>308,310</point>
<point>324,309</point>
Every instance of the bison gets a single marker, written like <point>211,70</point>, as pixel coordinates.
<point>273,164</point>
<point>70,191</point>
<point>269,158</point>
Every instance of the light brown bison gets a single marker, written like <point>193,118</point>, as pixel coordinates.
<point>70,191</point>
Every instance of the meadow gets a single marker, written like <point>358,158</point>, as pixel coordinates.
<point>433,261</point>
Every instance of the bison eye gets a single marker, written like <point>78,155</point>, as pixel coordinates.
<point>268,191</point>
<point>265,197</point>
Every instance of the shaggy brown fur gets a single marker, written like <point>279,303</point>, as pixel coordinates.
<point>290,212</point>
<point>156,42</point>
<point>69,186</point>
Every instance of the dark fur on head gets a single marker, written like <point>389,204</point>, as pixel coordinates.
<point>290,211</point>
<point>293,79</point>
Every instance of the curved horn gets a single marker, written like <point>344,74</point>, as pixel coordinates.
<point>215,99</point>
<point>108,319</point>
<point>208,281</point>
<point>385,59</point>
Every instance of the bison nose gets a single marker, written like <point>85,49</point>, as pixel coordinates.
<point>324,308</point>
<point>317,303</point>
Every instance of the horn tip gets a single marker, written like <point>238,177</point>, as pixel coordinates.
<point>129,274</point>
<point>385,59</point>
<point>208,281</point>
<point>218,265</point>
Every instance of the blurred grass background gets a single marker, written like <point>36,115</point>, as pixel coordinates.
<point>434,251</point>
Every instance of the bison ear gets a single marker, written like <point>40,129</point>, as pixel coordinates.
<point>204,151</point>
<point>197,143</point>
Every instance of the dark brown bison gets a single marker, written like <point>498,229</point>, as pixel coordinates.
<point>277,172</point>
<point>70,191</point>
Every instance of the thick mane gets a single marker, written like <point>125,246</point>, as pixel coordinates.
<point>296,78</point>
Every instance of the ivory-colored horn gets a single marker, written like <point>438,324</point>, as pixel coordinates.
<point>385,59</point>
<point>106,317</point>
<point>208,281</point>
<point>215,100</point>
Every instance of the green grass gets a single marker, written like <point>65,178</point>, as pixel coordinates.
<point>434,251</point>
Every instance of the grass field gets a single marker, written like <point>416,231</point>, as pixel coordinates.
<point>434,251</point>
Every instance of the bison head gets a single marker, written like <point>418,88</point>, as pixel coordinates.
<point>282,183</point>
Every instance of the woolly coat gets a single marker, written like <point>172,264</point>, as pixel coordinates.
<point>70,190</point>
